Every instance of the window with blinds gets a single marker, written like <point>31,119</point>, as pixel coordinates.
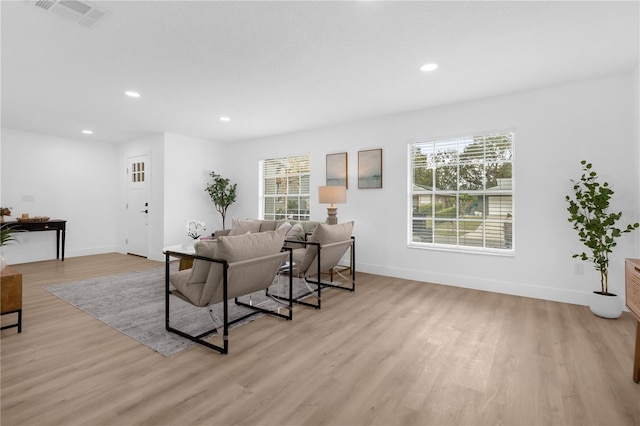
<point>461,193</point>
<point>284,188</point>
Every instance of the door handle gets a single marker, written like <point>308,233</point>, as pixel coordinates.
<point>144,211</point>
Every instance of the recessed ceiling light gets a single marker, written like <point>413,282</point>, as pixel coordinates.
<point>132,94</point>
<point>225,118</point>
<point>428,67</point>
<point>87,132</point>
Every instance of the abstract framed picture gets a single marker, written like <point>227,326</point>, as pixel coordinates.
<point>370,169</point>
<point>337,170</point>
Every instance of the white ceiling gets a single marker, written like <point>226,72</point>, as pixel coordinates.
<point>280,67</point>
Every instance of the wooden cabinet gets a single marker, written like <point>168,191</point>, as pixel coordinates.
<point>632,292</point>
<point>11,295</point>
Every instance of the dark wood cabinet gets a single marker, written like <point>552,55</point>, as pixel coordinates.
<point>11,295</point>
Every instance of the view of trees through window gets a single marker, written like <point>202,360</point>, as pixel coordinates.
<point>285,188</point>
<point>462,192</point>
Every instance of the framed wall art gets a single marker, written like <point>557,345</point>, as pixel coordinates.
<point>370,169</point>
<point>337,170</point>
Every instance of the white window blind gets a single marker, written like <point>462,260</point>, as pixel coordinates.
<point>284,188</point>
<point>461,193</point>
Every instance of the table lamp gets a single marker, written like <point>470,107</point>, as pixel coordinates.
<point>330,195</point>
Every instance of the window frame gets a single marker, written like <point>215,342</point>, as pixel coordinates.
<point>284,180</point>
<point>502,227</point>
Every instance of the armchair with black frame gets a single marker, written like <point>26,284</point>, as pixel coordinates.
<point>323,251</point>
<point>225,269</point>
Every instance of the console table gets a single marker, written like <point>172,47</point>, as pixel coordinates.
<point>57,225</point>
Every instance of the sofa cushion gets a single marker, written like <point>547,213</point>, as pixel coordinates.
<point>325,234</point>
<point>221,232</point>
<point>242,226</point>
<point>234,248</point>
<point>268,225</point>
<point>309,226</point>
<point>200,269</point>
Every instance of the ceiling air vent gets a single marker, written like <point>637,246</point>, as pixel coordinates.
<point>81,12</point>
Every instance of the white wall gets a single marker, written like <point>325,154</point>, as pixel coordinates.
<point>85,183</point>
<point>67,179</point>
<point>636,129</point>
<point>188,162</point>
<point>555,129</point>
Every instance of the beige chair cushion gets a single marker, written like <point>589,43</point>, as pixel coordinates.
<point>324,234</point>
<point>191,292</point>
<point>242,226</point>
<point>200,270</point>
<point>298,258</point>
<point>245,274</point>
<point>239,249</point>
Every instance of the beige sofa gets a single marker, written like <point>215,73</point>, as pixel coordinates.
<point>295,230</point>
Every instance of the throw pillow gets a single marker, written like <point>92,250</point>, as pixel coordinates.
<point>200,270</point>
<point>296,232</point>
<point>242,226</point>
<point>325,234</point>
<point>235,248</point>
<point>285,225</point>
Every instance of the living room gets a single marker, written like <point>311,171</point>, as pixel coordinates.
<point>576,113</point>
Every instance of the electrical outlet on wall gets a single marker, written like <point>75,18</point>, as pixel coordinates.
<point>28,199</point>
<point>578,268</point>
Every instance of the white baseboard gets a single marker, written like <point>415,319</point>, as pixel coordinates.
<point>554,294</point>
<point>26,256</point>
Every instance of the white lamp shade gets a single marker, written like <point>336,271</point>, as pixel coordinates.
<point>332,194</point>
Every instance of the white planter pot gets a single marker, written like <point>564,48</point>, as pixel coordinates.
<point>605,306</point>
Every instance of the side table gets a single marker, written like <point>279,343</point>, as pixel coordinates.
<point>185,262</point>
<point>11,295</point>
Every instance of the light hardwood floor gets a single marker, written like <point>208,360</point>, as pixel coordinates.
<point>395,352</point>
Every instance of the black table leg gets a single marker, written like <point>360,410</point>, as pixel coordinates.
<point>63,231</point>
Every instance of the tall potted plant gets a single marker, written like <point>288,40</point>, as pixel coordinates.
<point>222,193</point>
<point>596,226</point>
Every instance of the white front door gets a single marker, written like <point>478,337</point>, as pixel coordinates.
<point>138,178</point>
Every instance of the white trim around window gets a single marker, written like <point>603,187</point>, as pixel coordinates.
<point>461,193</point>
<point>284,188</point>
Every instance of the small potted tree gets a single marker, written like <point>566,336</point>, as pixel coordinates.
<point>6,237</point>
<point>222,193</point>
<point>596,226</point>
